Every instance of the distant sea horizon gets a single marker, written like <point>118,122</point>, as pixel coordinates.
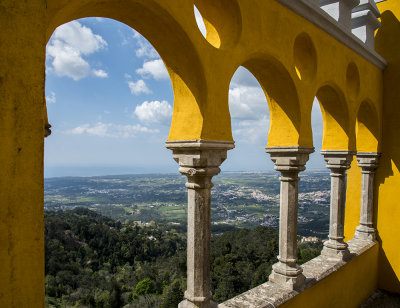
<point>96,171</point>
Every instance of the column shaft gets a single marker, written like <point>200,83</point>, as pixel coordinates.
<point>198,239</point>
<point>289,161</point>
<point>288,220</point>
<point>199,161</point>
<point>368,163</point>
<point>338,162</point>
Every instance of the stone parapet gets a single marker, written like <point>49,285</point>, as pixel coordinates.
<point>271,295</point>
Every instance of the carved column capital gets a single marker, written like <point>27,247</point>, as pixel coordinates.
<point>368,161</point>
<point>338,161</point>
<point>199,153</point>
<point>289,158</point>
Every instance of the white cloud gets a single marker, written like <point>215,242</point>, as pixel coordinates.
<point>250,131</point>
<point>110,130</point>
<point>243,77</point>
<point>248,107</point>
<point>200,21</point>
<point>247,103</point>
<point>100,73</point>
<point>154,68</point>
<point>138,87</point>
<point>69,43</point>
<point>154,112</point>
<point>51,99</point>
<point>145,49</point>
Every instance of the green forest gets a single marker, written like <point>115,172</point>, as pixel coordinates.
<point>94,261</point>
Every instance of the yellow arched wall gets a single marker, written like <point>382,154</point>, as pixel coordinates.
<point>388,176</point>
<point>273,42</point>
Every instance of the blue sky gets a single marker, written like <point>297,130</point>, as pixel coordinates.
<point>110,99</point>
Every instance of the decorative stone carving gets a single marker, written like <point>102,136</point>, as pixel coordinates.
<point>365,22</point>
<point>338,162</point>
<point>199,161</point>
<point>289,161</point>
<point>368,162</point>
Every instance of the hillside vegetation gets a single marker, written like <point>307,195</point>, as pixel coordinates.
<point>95,261</point>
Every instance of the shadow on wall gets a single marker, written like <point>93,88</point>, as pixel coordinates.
<point>387,215</point>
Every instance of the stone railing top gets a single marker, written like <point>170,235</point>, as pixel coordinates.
<point>271,295</point>
<point>351,24</point>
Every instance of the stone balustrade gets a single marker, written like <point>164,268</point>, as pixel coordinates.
<point>365,22</point>
<point>352,22</point>
<point>199,161</point>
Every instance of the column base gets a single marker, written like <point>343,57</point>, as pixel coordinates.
<point>365,233</point>
<point>288,277</point>
<point>335,250</point>
<point>188,304</point>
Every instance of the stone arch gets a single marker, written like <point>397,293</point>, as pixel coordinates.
<point>335,115</point>
<point>168,36</point>
<point>282,98</point>
<point>367,128</point>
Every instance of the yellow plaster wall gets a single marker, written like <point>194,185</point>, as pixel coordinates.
<point>291,58</point>
<point>348,287</point>
<point>388,177</point>
<point>353,200</point>
<point>292,61</point>
<point>22,68</point>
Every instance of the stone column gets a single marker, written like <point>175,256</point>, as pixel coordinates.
<point>368,161</point>
<point>345,9</point>
<point>365,21</point>
<point>289,161</point>
<point>338,162</point>
<point>199,161</point>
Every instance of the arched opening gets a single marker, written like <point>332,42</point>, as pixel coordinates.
<point>336,131</point>
<point>367,129</point>
<point>250,119</point>
<point>172,43</point>
<point>315,183</point>
<point>108,94</point>
<point>109,99</point>
<point>282,98</point>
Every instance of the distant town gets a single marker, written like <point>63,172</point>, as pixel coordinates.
<point>239,199</point>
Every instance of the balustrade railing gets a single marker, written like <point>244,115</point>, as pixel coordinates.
<point>199,161</point>
<point>352,22</point>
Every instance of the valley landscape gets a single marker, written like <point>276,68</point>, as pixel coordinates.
<point>239,199</point>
